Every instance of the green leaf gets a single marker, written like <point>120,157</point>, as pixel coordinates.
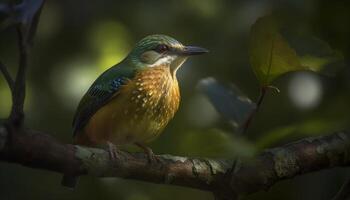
<point>270,54</point>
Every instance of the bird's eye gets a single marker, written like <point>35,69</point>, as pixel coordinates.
<point>161,48</point>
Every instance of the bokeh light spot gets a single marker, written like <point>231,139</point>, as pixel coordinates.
<point>74,79</point>
<point>305,90</point>
<point>111,41</point>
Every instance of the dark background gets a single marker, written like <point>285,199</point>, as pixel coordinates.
<point>77,40</point>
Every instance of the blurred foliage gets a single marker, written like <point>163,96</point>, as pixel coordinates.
<point>314,53</point>
<point>271,55</point>
<point>312,127</point>
<point>226,145</point>
<point>23,14</point>
<point>233,106</point>
<point>6,100</point>
<point>77,40</point>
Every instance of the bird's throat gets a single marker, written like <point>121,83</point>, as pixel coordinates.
<point>176,64</point>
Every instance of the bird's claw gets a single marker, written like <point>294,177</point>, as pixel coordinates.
<point>152,158</point>
<point>112,151</point>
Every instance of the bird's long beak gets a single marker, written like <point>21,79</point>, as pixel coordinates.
<point>192,50</point>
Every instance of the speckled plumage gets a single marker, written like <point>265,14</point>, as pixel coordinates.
<point>139,112</point>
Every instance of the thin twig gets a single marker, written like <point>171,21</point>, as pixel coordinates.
<point>344,192</point>
<point>7,76</point>
<point>261,97</point>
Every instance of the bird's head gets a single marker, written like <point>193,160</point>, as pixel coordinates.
<point>162,50</point>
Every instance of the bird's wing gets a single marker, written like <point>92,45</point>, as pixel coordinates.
<point>101,91</point>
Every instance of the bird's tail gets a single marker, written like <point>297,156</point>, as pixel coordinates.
<point>69,181</point>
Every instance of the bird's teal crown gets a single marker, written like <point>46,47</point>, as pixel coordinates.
<point>152,41</point>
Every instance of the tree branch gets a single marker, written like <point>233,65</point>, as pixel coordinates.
<point>39,150</point>
<point>25,17</point>
<point>7,76</point>
<point>245,126</point>
<point>18,96</point>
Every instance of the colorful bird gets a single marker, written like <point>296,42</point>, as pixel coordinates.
<point>133,101</point>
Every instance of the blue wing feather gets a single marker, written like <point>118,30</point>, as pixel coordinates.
<point>100,92</point>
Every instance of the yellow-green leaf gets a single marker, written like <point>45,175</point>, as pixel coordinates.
<point>270,54</point>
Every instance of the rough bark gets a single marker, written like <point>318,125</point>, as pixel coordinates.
<point>39,150</point>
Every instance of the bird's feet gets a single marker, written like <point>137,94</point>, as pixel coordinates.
<point>112,151</point>
<point>152,158</point>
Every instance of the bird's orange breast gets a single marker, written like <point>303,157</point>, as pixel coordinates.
<point>138,112</point>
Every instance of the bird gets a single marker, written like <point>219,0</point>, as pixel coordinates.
<point>133,101</point>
